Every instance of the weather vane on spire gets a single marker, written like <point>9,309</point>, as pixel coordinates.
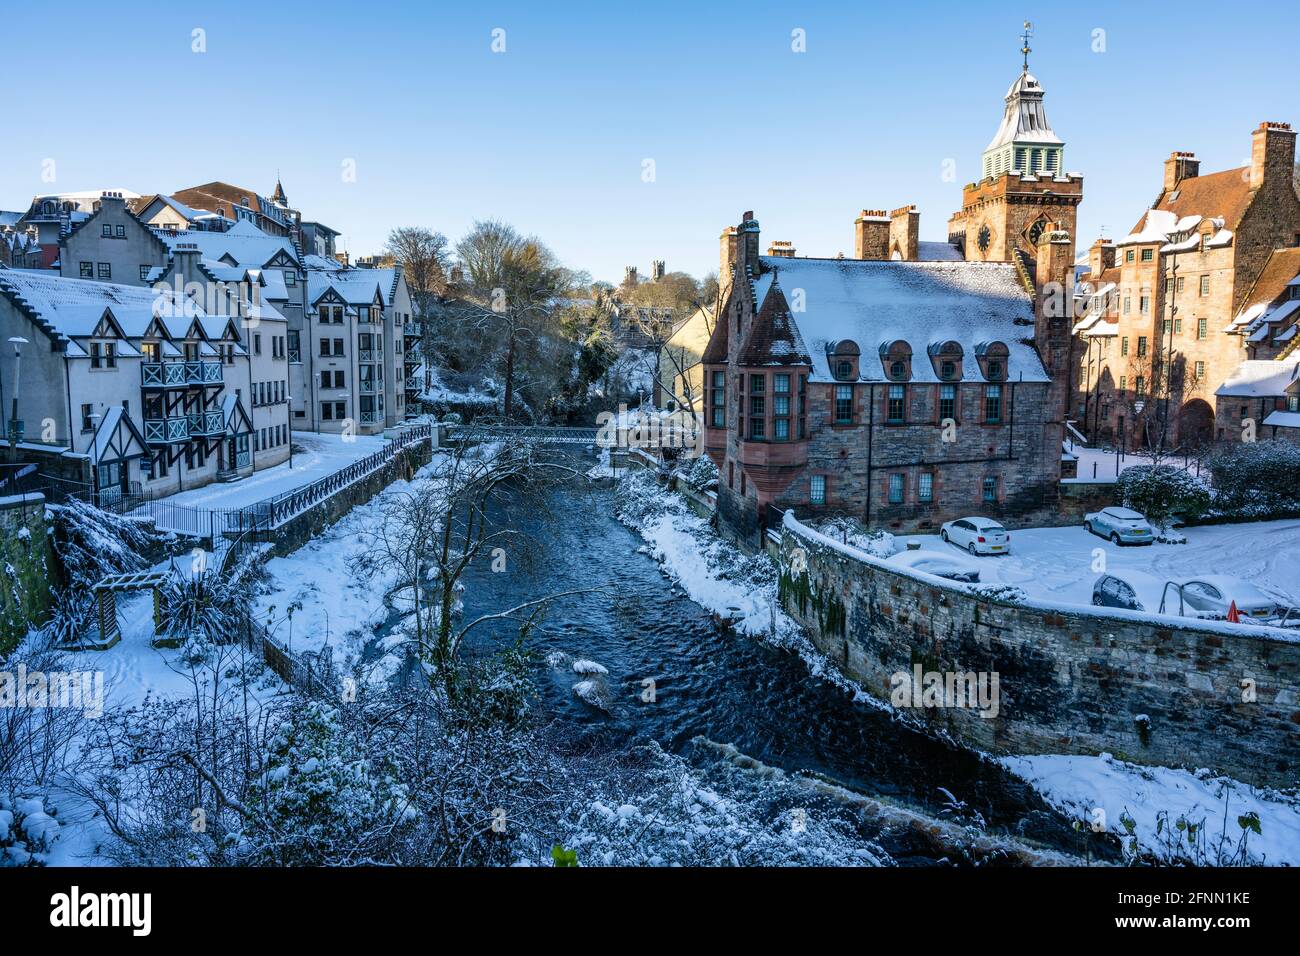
<point>1029,31</point>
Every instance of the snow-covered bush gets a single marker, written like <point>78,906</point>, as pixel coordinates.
<point>1162,492</point>
<point>320,797</point>
<point>201,605</point>
<point>28,831</point>
<point>92,543</point>
<point>849,531</point>
<point>700,472</point>
<point>1257,478</point>
<point>72,617</point>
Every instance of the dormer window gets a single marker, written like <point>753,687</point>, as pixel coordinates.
<point>947,358</point>
<point>993,357</point>
<point>897,359</point>
<point>844,357</point>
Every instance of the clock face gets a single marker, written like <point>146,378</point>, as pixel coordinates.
<point>985,238</point>
<point>1036,232</point>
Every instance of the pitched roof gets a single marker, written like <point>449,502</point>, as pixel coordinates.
<point>243,242</point>
<point>774,339</point>
<point>1224,195</point>
<point>74,307</point>
<point>1260,378</point>
<point>1281,270</point>
<point>874,303</point>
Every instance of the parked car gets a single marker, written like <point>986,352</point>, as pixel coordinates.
<point>1120,525</point>
<point>941,565</point>
<point>1213,594</point>
<point>1137,591</point>
<point>977,535</point>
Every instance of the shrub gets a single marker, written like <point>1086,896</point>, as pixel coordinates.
<point>1162,492</point>
<point>700,472</point>
<point>1257,476</point>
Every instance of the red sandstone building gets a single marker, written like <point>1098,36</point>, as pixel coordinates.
<point>1202,284</point>
<point>917,382</point>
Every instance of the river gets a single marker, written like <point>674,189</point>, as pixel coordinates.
<point>711,682</point>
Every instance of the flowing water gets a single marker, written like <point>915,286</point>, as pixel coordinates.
<point>710,681</point>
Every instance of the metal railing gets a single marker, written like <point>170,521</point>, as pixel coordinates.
<point>544,434</point>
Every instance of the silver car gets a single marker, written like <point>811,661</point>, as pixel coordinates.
<point>1120,525</point>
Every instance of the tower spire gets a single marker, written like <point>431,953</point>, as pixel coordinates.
<point>1024,45</point>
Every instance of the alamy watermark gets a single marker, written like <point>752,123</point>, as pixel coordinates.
<point>70,690</point>
<point>970,690</point>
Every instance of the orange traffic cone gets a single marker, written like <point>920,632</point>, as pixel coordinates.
<point>1233,616</point>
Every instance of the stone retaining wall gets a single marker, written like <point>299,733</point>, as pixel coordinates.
<point>1070,681</point>
<point>26,567</point>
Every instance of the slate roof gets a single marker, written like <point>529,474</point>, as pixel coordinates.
<point>874,303</point>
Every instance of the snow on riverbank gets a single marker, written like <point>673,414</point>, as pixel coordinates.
<point>716,576</point>
<point>339,609</point>
<point>1153,800</point>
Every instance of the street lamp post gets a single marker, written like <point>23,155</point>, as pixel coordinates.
<point>17,341</point>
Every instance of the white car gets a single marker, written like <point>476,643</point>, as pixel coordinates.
<point>1120,525</point>
<point>952,567</point>
<point>1213,594</point>
<point>977,535</point>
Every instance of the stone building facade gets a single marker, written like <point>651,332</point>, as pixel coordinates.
<point>1169,312</point>
<point>902,393</point>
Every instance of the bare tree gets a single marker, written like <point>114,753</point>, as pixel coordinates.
<point>430,533</point>
<point>515,290</point>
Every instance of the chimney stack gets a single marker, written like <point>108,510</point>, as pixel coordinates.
<point>781,248</point>
<point>1272,153</point>
<point>905,233</point>
<point>1180,166</point>
<point>871,235</point>
<point>1101,256</point>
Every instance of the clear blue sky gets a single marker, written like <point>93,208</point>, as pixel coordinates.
<point>551,135</point>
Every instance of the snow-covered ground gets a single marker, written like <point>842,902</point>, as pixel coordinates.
<point>1147,803</point>
<point>315,456</point>
<point>1097,465</point>
<point>1057,564</point>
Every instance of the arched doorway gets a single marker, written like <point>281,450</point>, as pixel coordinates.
<point>1195,424</point>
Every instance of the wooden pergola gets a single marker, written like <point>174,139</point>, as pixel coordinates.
<point>106,591</point>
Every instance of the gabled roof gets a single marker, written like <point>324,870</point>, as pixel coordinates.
<point>874,303</point>
<point>243,244</point>
<point>1280,271</point>
<point>1224,195</point>
<point>773,338</point>
<point>117,438</point>
<point>353,286</point>
<point>74,307</point>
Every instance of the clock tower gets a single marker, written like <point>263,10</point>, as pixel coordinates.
<point>1023,191</point>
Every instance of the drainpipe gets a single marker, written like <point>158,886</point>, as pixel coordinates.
<point>871,434</point>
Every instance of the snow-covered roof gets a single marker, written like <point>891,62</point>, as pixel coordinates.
<point>1283,419</point>
<point>1260,378</point>
<point>243,242</point>
<point>938,252</point>
<point>875,303</point>
<point>74,307</point>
